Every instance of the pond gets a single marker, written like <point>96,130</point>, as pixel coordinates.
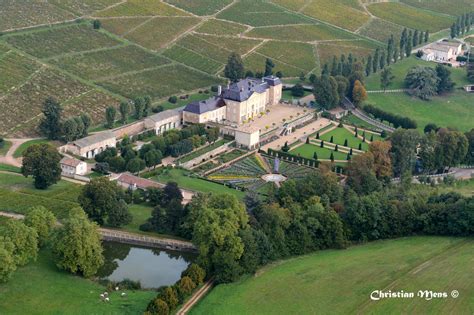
<point>152,267</point>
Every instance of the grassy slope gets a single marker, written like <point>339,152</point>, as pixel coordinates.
<point>454,110</point>
<point>340,281</point>
<point>19,151</point>
<point>195,184</point>
<point>40,288</point>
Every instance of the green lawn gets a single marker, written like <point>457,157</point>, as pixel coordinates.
<point>341,281</point>
<point>454,110</point>
<point>357,122</point>
<point>307,151</point>
<point>19,152</point>
<point>287,95</point>
<point>183,102</point>
<point>9,168</point>
<point>41,288</point>
<point>193,183</point>
<point>5,147</point>
<point>341,134</point>
<point>400,70</point>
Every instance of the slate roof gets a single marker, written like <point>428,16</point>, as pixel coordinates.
<point>200,107</point>
<point>242,90</point>
<point>165,114</point>
<point>95,138</point>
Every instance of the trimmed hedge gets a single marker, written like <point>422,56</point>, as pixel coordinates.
<point>396,120</point>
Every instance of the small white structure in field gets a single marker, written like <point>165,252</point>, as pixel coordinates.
<point>72,166</point>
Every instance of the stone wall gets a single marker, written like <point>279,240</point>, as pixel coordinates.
<point>130,129</point>
<point>206,155</point>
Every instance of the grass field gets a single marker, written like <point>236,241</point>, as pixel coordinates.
<point>454,110</point>
<point>401,68</point>
<point>307,151</point>
<point>341,281</point>
<point>9,168</point>
<point>41,288</point>
<point>410,16</point>
<point>25,145</point>
<point>464,187</point>
<point>341,134</point>
<point>180,176</point>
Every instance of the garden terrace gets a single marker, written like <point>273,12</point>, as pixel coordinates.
<point>247,173</point>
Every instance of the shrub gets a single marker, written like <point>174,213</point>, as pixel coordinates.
<point>196,273</point>
<point>173,99</point>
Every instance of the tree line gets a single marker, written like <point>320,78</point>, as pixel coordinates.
<point>462,25</point>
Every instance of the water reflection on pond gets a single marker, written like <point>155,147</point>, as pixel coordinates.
<point>152,267</point>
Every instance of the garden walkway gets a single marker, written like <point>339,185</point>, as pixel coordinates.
<point>195,298</point>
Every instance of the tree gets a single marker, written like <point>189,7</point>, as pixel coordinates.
<point>382,165</point>
<point>146,105</point>
<point>403,151</point>
<point>451,148</point>
<point>359,94</point>
<point>334,92</point>
<point>368,67</point>
<point>157,306</point>
<point>50,124</point>
<point>186,286</point>
<point>216,222</point>
<point>323,92</point>
<point>234,69</point>
<point>24,240</point>
<point>77,246</point>
<point>427,36</point>
<point>124,109</point>
<point>96,24</point>
<point>86,121</point>
<point>138,105</point>
<point>69,130</point>
<point>445,83</point>
<point>135,165</point>
<point>110,113</point>
<point>153,158</point>
<point>269,65</point>
<point>7,262</point>
<point>386,78</point>
<point>100,198</point>
<point>422,82</point>
<point>297,90</point>
<point>42,162</point>
<point>195,273</point>
<point>342,86</point>
<point>375,62</point>
<point>409,45</point>
<point>43,221</point>
<point>170,296</point>
<point>430,127</point>
<point>332,157</point>
<point>171,192</point>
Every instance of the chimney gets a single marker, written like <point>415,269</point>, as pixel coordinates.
<point>219,90</point>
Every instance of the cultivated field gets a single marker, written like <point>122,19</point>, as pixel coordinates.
<point>452,7</point>
<point>341,281</point>
<point>189,39</point>
<point>410,17</point>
